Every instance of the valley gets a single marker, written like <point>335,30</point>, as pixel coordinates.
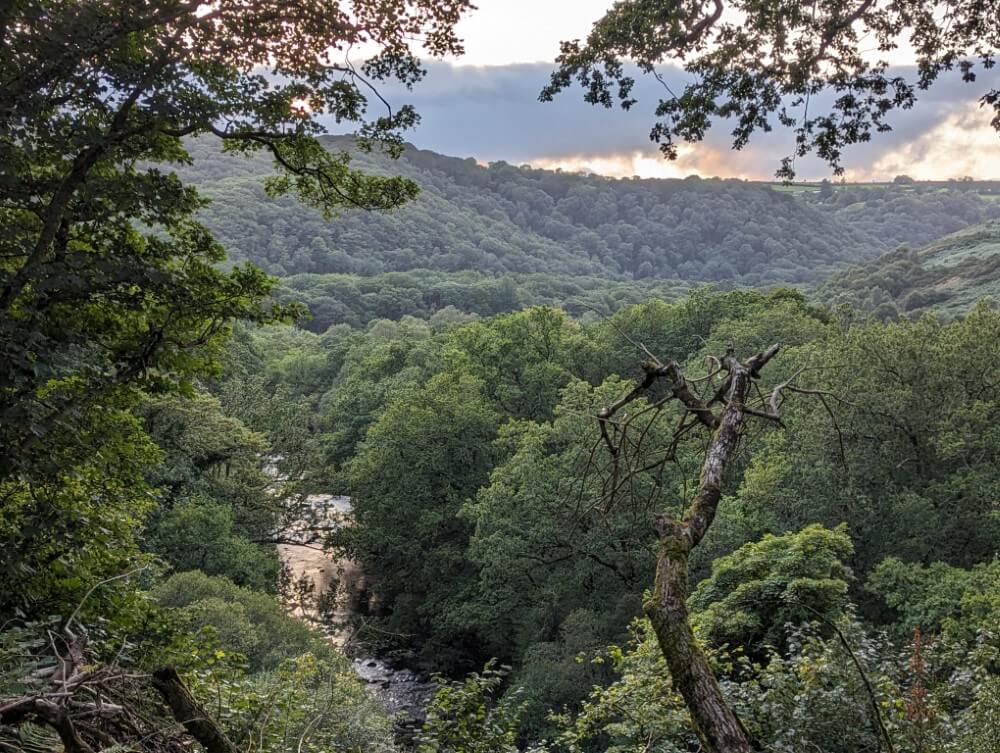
<point>662,417</point>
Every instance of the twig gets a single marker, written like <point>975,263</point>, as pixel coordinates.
<point>98,585</point>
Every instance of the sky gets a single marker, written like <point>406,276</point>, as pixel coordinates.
<point>485,105</point>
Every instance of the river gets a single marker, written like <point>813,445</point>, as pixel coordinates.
<point>403,692</point>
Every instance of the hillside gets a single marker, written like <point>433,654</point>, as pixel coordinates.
<point>948,275</point>
<point>503,220</point>
<point>356,300</point>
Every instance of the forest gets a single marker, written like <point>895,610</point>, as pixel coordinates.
<point>624,465</point>
<point>503,219</point>
<point>489,240</point>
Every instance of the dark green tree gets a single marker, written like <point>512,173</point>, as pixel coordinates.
<point>753,592</point>
<point>425,455</point>
<point>110,290</point>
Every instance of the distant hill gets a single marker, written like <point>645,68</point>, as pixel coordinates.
<point>504,220</point>
<point>948,275</point>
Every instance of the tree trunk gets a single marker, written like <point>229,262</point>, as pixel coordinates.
<point>189,712</point>
<point>716,725</point>
<point>718,728</point>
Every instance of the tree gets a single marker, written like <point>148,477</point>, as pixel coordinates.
<point>753,592</point>
<point>428,452</point>
<point>64,533</point>
<point>717,726</point>
<point>926,495</point>
<point>198,533</point>
<point>921,470</point>
<point>938,597</point>
<point>523,358</point>
<point>111,290</point>
<point>760,62</point>
<point>556,576</point>
<point>105,279</point>
<point>809,697</point>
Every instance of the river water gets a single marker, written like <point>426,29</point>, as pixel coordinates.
<point>403,692</point>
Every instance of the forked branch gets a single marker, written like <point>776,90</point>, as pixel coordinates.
<point>718,728</point>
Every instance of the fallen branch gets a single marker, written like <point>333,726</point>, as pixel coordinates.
<point>189,713</point>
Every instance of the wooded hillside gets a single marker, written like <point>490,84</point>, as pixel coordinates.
<point>502,219</point>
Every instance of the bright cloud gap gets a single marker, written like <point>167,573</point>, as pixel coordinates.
<point>492,113</point>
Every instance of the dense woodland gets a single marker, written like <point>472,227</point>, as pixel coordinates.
<point>636,466</point>
<point>504,219</point>
<point>946,276</point>
<point>468,450</point>
<point>487,240</point>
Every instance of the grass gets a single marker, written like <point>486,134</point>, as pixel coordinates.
<point>979,242</point>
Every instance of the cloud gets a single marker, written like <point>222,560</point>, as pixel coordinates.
<point>962,144</point>
<point>500,32</point>
<point>492,113</point>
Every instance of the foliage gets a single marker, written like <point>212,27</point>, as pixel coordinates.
<point>197,534</point>
<point>306,703</point>
<point>445,298</point>
<point>532,566</point>
<point>392,357</point>
<point>812,697</point>
<point>902,444</point>
<point>309,702</point>
<point>637,712</point>
<point>753,592</point>
<point>422,458</point>
<point>77,527</point>
<point>215,499</point>
<point>242,621</point>
<point>522,359</point>
<point>108,285</point>
<point>467,717</point>
<point>757,64</point>
<point>557,574</point>
<point>939,598</point>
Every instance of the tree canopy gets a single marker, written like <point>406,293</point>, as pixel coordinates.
<point>106,279</point>
<point>115,305</point>
<point>757,64</point>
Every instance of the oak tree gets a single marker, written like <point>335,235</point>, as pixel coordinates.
<point>758,63</point>
<point>106,278</point>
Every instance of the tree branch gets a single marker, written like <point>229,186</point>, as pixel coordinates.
<point>189,713</point>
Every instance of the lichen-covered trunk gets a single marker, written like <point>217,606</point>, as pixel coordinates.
<point>718,728</point>
<point>716,724</point>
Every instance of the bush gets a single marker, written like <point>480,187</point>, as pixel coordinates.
<point>247,622</point>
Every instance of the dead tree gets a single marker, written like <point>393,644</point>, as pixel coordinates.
<point>723,410</point>
<point>91,706</point>
<point>88,706</point>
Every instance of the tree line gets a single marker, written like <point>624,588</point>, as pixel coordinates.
<point>503,220</point>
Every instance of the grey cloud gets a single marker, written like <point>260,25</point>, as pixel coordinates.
<point>493,113</point>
